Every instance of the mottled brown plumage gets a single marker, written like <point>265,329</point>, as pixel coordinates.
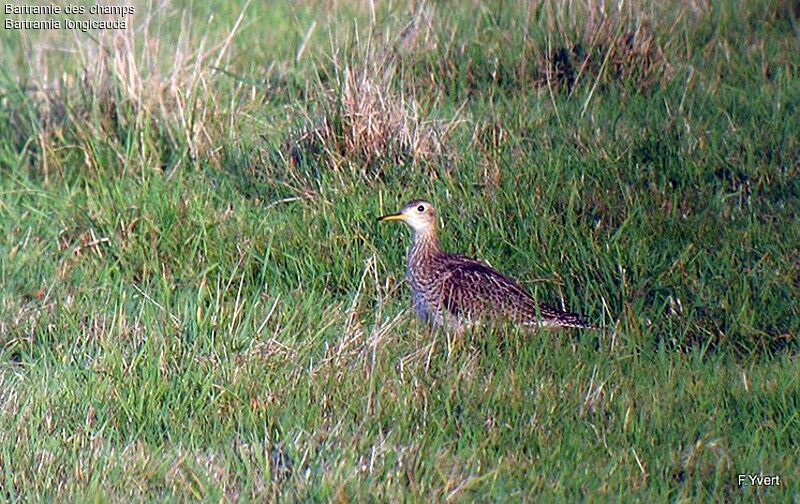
<point>457,290</point>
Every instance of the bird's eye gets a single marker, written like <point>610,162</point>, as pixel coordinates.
<point>421,208</point>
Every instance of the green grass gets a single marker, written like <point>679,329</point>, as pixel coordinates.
<point>197,303</point>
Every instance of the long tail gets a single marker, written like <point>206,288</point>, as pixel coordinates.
<point>551,317</point>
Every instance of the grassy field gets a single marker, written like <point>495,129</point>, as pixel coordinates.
<point>197,303</point>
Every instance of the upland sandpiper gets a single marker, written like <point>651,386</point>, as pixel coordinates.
<point>456,291</point>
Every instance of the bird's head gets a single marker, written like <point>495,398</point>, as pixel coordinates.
<point>418,214</point>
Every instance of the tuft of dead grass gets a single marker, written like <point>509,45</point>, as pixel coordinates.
<point>363,120</point>
<point>120,90</point>
<point>367,122</point>
<point>598,40</point>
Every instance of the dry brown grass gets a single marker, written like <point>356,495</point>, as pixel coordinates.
<point>366,122</point>
<point>364,115</point>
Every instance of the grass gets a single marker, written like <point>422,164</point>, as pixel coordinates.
<point>196,302</point>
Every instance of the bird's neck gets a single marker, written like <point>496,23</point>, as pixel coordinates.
<point>424,245</point>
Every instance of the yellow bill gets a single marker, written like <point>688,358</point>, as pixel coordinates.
<point>396,216</point>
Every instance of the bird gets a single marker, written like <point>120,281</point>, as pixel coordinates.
<point>457,291</point>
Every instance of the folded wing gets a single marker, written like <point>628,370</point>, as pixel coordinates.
<point>473,290</point>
